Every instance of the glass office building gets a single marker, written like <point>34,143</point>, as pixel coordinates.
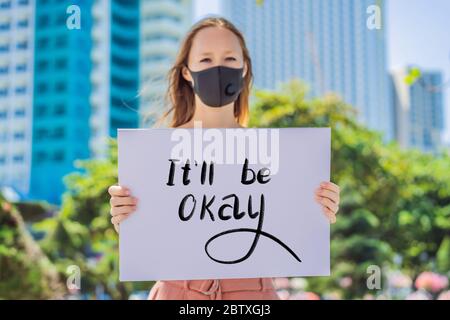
<point>328,44</point>
<point>419,109</point>
<point>61,107</point>
<point>16,93</point>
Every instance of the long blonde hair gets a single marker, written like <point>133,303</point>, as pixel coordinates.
<point>180,95</point>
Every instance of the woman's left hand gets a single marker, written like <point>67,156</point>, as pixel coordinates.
<point>327,195</point>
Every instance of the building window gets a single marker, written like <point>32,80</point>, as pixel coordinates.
<point>61,63</point>
<point>3,114</point>
<point>5,5</point>
<point>4,47</point>
<point>124,83</point>
<point>42,65</point>
<point>59,133</point>
<point>21,90</point>
<point>5,26</point>
<point>43,21</point>
<point>41,156</point>
<point>60,86</point>
<point>20,112</point>
<point>124,42</point>
<point>129,63</point>
<point>42,87</point>
<point>60,109</point>
<point>3,92</point>
<point>124,22</point>
<point>41,133</point>
<point>61,41</point>
<point>22,45</point>
<point>19,135</point>
<point>58,156</point>
<point>22,23</point>
<point>42,43</point>
<point>4,69</point>
<point>18,158</point>
<point>21,67</point>
<point>41,111</point>
<point>130,3</point>
<point>117,102</point>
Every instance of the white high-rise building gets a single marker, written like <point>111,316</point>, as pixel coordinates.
<point>100,73</point>
<point>115,71</point>
<point>16,92</point>
<point>326,43</point>
<point>163,25</point>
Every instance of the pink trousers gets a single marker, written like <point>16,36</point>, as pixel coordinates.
<point>223,289</point>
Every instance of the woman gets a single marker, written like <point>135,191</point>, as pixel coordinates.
<point>212,51</point>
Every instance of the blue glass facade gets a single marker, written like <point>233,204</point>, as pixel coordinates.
<point>418,109</point>
<point>124,80</point>
<point>61,106</point>
<point>426,113</point>
<point>62,82</point>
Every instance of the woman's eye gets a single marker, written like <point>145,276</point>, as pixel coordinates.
<point>205,60</point>
<point>231,58</point>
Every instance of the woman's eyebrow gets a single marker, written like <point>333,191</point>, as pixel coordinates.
<point>210,53</point>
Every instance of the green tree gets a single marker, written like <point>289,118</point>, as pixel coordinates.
<point>25,271</point>
<point>394,202</point>
<point>82,233</point>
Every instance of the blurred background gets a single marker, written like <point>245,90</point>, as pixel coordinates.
<point>377,72</point>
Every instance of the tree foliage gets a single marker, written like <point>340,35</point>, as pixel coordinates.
<point>394,210</point>
<point>82,233</point>
<point>25,271</point>
<point>395,204</point>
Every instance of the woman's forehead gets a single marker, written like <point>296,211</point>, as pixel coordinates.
<point>213,40</point>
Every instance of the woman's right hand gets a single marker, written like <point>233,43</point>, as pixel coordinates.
<point>122,204</point>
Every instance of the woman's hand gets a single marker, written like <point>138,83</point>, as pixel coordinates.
<point>327,195</point>
<point>122,204</point>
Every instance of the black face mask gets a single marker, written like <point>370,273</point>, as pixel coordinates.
<point>218,86</point>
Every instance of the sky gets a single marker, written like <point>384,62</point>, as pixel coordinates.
<point>203,7</point>
<point>418,33</point>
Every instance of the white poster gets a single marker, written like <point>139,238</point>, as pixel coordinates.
<point>224,203</point>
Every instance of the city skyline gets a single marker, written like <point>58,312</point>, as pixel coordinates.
<point>418,36</point>
<point>329,46</point>
<point>401,20</point>
<point>63,100</point>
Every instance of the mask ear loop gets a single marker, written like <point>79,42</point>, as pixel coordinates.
<point>190,82</point>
